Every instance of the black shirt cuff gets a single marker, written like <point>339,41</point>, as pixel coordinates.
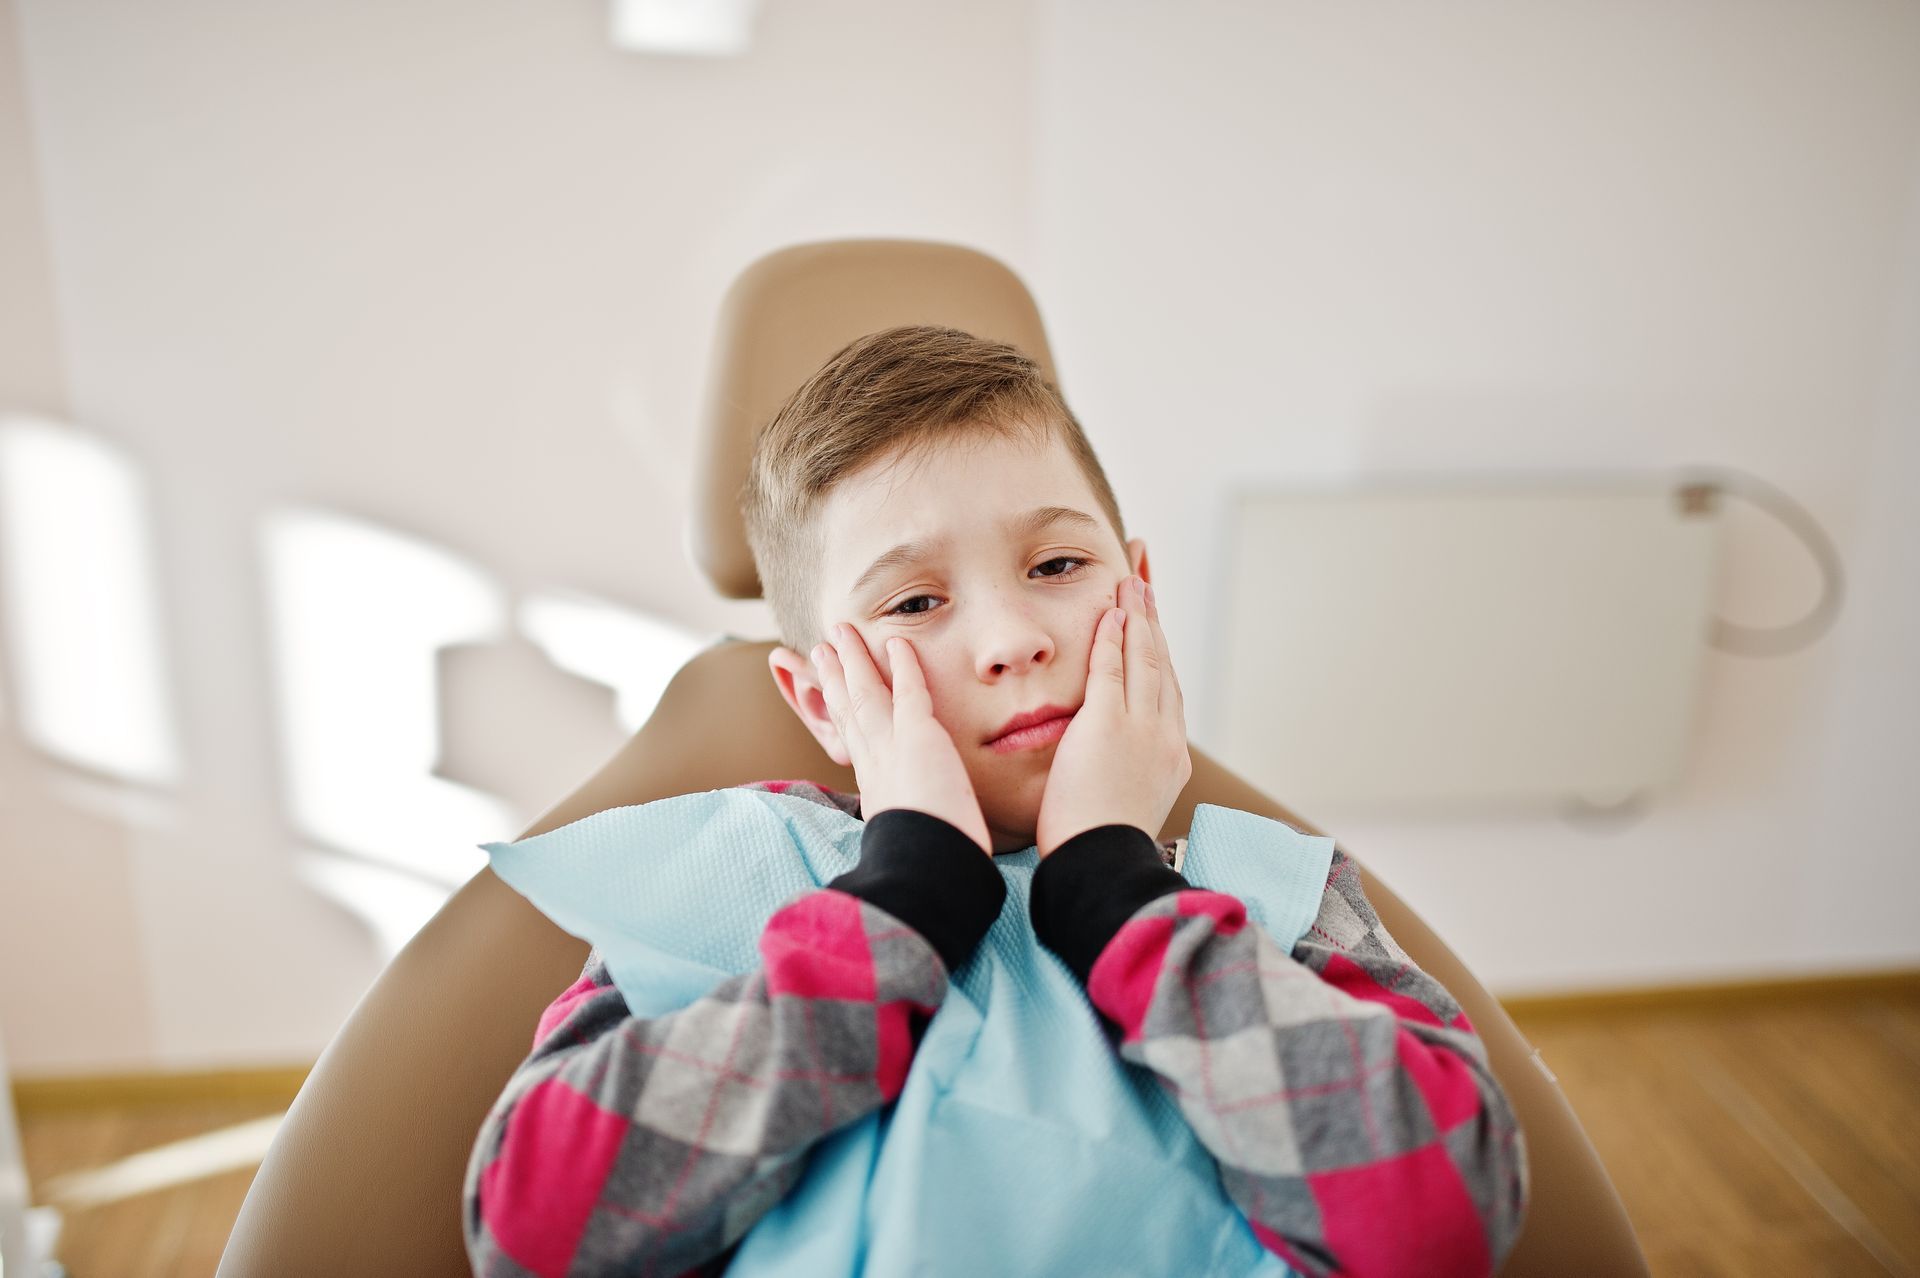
<point>926,873</point>
<point>1092,884</point>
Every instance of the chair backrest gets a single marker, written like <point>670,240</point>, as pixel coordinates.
<point>788,313</point>
<point>365,1175</point>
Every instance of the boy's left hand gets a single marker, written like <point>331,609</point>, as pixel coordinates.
<point>1124,759</point>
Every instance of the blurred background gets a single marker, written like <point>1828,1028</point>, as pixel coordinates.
<point>350,357</point>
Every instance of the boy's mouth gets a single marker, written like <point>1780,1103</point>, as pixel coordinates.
<point>1031,729</point>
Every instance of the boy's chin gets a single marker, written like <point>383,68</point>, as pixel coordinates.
<point>1012,820</point>
<point>1012,804</point>
<point>1004,842</point>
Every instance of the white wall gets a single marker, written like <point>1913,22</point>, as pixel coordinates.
<point>1489,237</point>
<point>30,365</point>
<point>451,272</point>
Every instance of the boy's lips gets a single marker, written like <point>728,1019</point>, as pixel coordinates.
<point>1033,727</point>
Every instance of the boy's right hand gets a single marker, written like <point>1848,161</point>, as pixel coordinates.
<point>901,755</point>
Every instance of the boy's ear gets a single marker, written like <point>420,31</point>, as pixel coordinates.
<point>793,674</point>
<point>1137,558</point>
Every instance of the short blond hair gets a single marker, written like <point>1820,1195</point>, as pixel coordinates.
<point>895,391</point>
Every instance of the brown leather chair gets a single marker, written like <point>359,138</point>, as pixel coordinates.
<point>365,1176</point>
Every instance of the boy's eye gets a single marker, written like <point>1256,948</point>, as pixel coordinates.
<point>1076,561</point>
<point>1073,566</point>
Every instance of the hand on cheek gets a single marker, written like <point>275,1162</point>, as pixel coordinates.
<point>1124,758</point>
<point>902,757</point>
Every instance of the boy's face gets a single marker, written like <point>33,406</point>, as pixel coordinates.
<point>999,602</point>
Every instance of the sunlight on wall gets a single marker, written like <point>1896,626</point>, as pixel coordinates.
<point>392,903</point>
<point>629,651</point>
<point>81,607</point>
<point>356,614</point>
<point>360,617</point>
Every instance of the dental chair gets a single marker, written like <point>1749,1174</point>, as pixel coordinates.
<point>365,1175</point>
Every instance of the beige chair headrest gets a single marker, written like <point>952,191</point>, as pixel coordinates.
<point>787,315</point>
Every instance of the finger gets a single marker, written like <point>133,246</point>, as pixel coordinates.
<point>1106,668</point>
<point>833,690</point>
<point>909,682</point>
<point>1143,659</point>
<point>867,699</point>
<point>1171,697</point>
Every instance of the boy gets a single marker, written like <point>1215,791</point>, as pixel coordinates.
<point>983,649</point>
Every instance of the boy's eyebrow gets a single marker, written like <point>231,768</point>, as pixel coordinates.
<point>1042,517</point>
<point>1024,525</point>
<point>906,552</point>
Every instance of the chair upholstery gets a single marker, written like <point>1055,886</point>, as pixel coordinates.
<point>365,1174</point>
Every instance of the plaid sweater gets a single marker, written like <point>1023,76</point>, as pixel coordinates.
<point>1342,1091</point>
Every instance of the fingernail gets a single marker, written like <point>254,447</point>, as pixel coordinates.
<point>1148,587</point>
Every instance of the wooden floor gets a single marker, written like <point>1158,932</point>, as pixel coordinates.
<point>1773,1138</point>
<point>1779,1137</point>
<point>163,1233</point>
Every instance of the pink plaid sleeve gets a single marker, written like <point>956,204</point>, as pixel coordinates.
<point>1342,1090</point>
<point>650,1146</point>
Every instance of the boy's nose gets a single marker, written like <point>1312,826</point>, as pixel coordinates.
<point>1017,647</point>
<point>997,668</point>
